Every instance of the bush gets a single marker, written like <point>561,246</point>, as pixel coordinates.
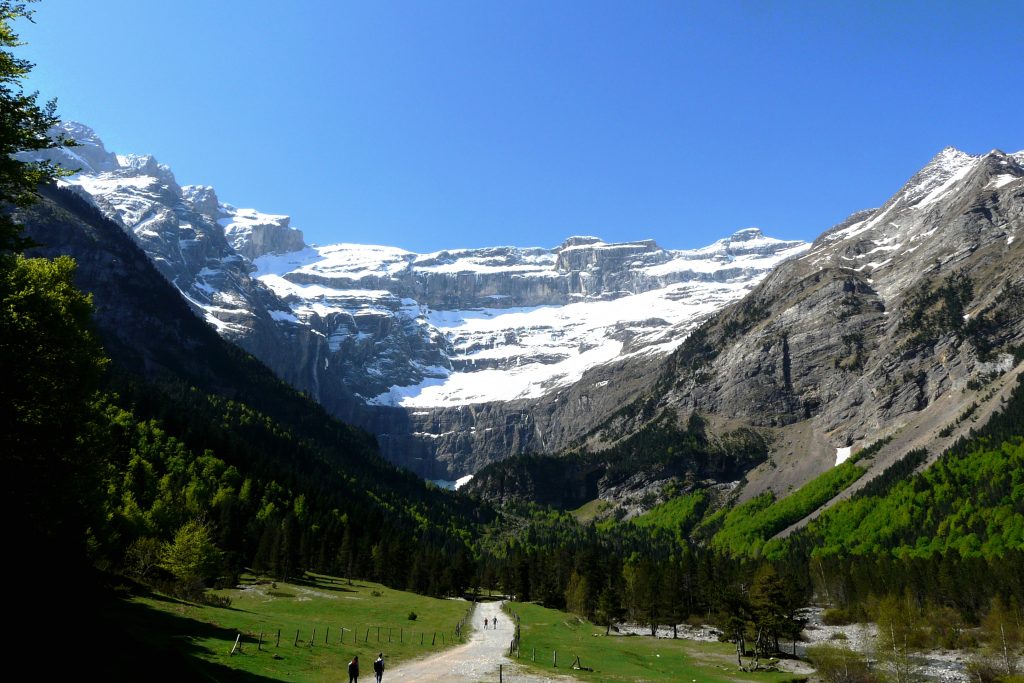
<point>841,665</point>
<point>214,600</point>
<point>983,671</point>
<point>836,616</point>
<point>412,616</point>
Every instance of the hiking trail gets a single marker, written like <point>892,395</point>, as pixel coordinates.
<point>476,660</point>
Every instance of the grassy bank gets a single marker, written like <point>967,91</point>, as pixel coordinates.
<point>359,619</point>
<point>624,658</point>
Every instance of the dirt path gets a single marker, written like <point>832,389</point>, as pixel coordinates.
<point>477,661</point>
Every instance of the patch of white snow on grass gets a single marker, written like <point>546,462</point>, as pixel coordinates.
<point>843,454</point>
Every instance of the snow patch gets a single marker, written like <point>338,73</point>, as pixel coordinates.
<point>958,166</point>
<point>1002,180</point>
<point>284,316</point>
<point>843,454</point>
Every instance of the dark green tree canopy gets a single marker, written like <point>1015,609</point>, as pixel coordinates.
<point>24,127</point>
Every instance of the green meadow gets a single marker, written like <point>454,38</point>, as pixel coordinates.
<point>360,619</point>
<point>624,658</point>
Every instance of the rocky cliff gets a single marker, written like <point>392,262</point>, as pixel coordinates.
<point>454,358</point>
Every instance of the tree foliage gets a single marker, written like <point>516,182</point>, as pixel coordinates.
<point>50,367</point>
<point>192,556</point>
<point>24,127</point>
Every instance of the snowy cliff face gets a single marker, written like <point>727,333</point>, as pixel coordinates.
<point>506,323</point>
<point>197,243</point>
<point>454,358</point>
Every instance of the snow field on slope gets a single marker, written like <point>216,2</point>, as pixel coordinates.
<point>522,343</point>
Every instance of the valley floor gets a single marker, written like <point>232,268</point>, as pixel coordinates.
<point>944,666</point>
<point>477,660</point>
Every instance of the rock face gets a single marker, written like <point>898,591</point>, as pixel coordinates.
<point>891,325</point>
<point>455,358</point>
<point>185,231</point>
<point>464,357</point>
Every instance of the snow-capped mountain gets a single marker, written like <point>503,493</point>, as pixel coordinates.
<point>460,356</point>
<point>504,323</point>
<point>896,326</point>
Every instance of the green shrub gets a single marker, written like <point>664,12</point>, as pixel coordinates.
<point>836,616</point>
<point>841,665</point>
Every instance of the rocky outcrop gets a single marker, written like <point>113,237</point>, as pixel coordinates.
<point>182,230</point>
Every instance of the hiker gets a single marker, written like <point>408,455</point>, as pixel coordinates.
<point>378,667</point>
<point>494,622</point>
<point>353,670</point>
<point>485,622</point>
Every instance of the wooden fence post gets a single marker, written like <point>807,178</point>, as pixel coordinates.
<point>554,659</point>
<point>312,638</point>
<point>327,636</point>
<point>278,643</point>
<point>421,637</point>
<point>237,647</point>
<point>296,643</point>
<point>259,645</point>
<point>434,639</point>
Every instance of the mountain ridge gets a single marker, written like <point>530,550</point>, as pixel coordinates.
<point>895,324</point>
<point>376,334</point>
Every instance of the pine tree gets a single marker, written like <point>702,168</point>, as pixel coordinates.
<point>24,127</point>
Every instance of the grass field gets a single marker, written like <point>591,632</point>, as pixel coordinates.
<point>366,611</point>
<point>588,511</point>
<point>625,658</point>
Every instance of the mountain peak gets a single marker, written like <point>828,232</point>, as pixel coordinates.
<point>744,234</point>
<point>579,241</point>
<point>951,159</point>
<point>88,156</point>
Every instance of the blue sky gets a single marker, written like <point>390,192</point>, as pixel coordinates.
<point>432,125</point>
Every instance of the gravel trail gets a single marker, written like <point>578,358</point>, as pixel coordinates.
<point>477,661</point>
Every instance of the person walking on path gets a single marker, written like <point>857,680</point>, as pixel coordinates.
<point>353,670</point>
<point>378,667</point>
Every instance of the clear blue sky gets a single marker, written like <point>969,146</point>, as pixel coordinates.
<point>430,125</point>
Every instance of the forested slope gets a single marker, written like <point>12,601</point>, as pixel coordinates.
<point>191,428</point>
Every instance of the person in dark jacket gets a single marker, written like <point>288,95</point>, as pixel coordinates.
<point>353,670</point>
<point>378,667</point>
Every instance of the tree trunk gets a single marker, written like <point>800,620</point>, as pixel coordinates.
<point>824,583</point>
<point>895,654</point>
<point>1006,652</point>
